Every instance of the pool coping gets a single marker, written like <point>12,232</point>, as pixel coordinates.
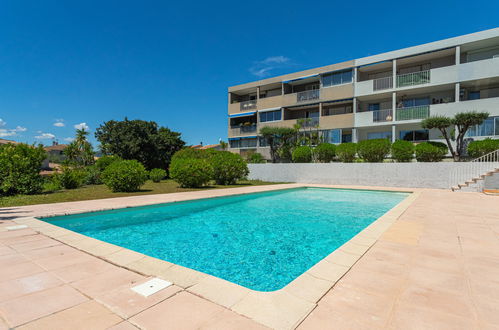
<point>281,309</point>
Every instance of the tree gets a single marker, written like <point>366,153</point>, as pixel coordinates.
<point>462,122</point>
<point>141,140</point>
<point>80,152</point>
<point>279,140</point>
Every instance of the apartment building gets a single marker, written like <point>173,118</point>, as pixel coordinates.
<point>380,96</point>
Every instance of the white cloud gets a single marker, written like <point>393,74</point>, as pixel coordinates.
<point>264,67</point>
<point>69,139</point>
<point>45,136</point>
<point>83,126</point>
<point>59,123</point>
<point>10,131</point>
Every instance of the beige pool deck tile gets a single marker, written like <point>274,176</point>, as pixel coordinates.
<point>328,271</point>
<point>323,317</point>
<point>63,260</point>
<point>219,291</point>
<point>182,276</point>
<point>18,270</point>
<point>277,310</point>
<point>231,320</point>
<point>88,315</point>
<point>107,281</point>
<point>308,287</point>
<point>25,285</point>
<point>41,304</point>
<point>124,257</point>
<point>182,311</point>
<point>5,250</point>
<point>52,251</point>
<point>342,258</point>
<point>82,270</point>
<point>127,303</point>
<point>37,244</point>
<point>12,259</point>
<point>149,266</point>
<point>125,325</point>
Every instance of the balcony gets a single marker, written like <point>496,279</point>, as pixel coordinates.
<point>305,96</point>
<point>242,130</point>
<point>412,113</point>
<point>382,115</point>
<point>382,83</point>
<point>414,78</point>
<point>247,105</point>
<point>308,122</point>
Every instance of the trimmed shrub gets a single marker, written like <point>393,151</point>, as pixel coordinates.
<point>302,154</point>
<point>20,169</point>
<point>124,176</point>
<point>402,151</point>
<point>325,152</point>
<point>103,162</point>
<point>479,148</point>
<point>373,151</point>
<point>157,174</point>
<point>228,167</point>
<point>191,173</point>
<point>255,158</point>
<point>346,152</point>
<point>70,178</point>
<point>190,153</point>
<point>93,175</point>
<point>430,151</point>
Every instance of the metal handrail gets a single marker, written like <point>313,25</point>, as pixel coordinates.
<point>313,94</point>
<point>413,78</point>
<point>247,105</point>
<point>382,115</point>
<point>474,170</point>
<point>416,112</point>
<point>382,83</point>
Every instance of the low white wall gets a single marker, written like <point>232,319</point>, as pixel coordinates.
<point>414,175</point>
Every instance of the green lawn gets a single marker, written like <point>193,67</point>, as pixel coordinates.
<point>101,191</point>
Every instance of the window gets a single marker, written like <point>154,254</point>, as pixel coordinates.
<point>337,78</point>
<point>270,116</point>
<point>417,135</point>
<point>489,127</point>
<point>243,143</point>
<point>474,95</point>
<point>373,107</point>
<point>416,102</point>
<point>332,135</point>
<point>345,138</point>
<point>379,135</point>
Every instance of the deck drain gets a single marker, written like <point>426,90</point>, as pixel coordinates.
<point>151,287</point>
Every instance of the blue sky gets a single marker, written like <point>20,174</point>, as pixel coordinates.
<point>80,63</point>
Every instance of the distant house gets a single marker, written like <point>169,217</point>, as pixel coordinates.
<point>209,146</point>
<point>3,141</point>
<point>56,149</point>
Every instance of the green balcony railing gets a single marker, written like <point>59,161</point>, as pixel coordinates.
<point>410,113</point>
<point>414,78</point>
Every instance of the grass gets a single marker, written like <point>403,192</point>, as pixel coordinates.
<point>101,191</point>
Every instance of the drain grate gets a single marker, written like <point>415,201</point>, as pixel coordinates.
<point>151,287</point>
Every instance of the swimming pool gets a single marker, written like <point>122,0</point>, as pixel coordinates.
<point>261,241</point>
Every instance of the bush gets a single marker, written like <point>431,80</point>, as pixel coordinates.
<point>479,148</point>
<point>103,162</point>
<point>373,151</point>
<point>20,169</point>
<point>93,175</point>
<point>302,154</point>
<point>157,174</point>
<point>325,152</point>
<point>124,176</point>
<point>346,152</point>
<point>402,151</point>
<point>430,151</point>
<point>191,173</point>
<point>190,153</point>
<point>228,167</point>
<point>70,178</point>
<point>52,184</point>
<point>255,158</point>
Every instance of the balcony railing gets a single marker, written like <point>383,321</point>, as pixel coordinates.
<point>240,130</point>
<point>308,95</point>
<point>247,105</point>
<point>308,122</point>
<point>382,83</point>
<point>414,78</point>
<point>410,113</point>
<point>382,115</point>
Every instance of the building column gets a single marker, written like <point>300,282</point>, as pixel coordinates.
<point>354,105</point>
<point>394,131</point>
<point>320,109</point>
<point>355,75</point>
<point>458,55</point>
<point>257,94</point>
<point>394,73</point>
<point>458,92</point>
<point>354,135</point>
<point>394,105</point>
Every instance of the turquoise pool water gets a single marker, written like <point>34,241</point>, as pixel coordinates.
<point>261,241</point>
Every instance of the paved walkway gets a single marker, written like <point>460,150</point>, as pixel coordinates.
<point>437,267</point>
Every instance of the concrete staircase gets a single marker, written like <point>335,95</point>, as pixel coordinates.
<point>471,175</point>
<point>475,184</point>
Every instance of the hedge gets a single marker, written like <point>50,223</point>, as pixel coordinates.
<point>191,172</point>
<point>124,176</point>
<point>480,148</point>
<point>302,154</point>
<point>402,151</point>
<point>325,152</point>
<point>346,152</point>
<point>373,151</point>
<point>430,151</point>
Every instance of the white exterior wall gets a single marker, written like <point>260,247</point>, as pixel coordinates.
<point>410,175</point>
